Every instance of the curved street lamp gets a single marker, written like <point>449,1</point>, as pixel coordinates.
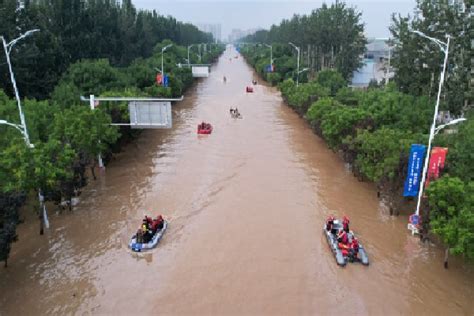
<point>297,62</point>
<point>20,129</point>
<point>7,47</point>
<point>440,127</point>
<point>162,53</point>
<point>189,60</point>
<point>271,53</point>
<point>445,49</point>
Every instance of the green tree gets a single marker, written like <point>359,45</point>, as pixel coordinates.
<point>452,214</point>
<point>461,154</point>
<point>332,80</point>
<point>417,61</point>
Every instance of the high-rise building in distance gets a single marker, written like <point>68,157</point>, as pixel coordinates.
<point>214,29</point>
<point>237,34</point>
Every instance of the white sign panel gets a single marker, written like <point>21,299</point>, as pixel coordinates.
<point>150,114</point>
<point>200,71</point>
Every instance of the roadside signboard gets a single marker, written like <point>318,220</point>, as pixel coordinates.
<point>150,114</point>
<point>415,164</point>
<point>200,71</point>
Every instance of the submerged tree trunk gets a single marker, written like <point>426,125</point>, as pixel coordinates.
<point>446,255</point>
<point>41,218</point>
<point>93,172</point>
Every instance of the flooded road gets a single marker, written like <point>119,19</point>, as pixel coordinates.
<point>246,207</point>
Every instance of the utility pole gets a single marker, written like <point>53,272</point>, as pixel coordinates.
<point>162,53</point>
<point>271,53</point>
<point>445,49</point>
<point>7,47</point>
<point>298,62</point>
<point>189,60</point>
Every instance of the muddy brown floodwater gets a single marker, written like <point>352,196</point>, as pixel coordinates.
<point>246,207</point>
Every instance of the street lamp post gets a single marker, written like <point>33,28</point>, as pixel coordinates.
<point>20,129</point>
<point>445,49</point>
<point>7,47</point>
<point>388,67</point>
<point>189,60</point>
<point>271,53</point>
<point>298,62</point>
<point>440,127</point>
<point>303,70</point>
<point>162,53</point>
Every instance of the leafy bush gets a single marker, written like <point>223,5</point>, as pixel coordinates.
<point>379,153</point>
<point>451,204</point>
<point>332,80</point>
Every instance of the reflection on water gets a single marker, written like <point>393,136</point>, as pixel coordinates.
<point>246,206</point>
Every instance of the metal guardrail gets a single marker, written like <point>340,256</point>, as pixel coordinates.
<point>131,99</point>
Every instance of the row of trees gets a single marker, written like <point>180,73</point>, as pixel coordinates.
<point>374,129</point>
<point>61,63</point>
<point>71,30</point>
<point>417,61</point>
<point>68,136</point>
<point>330,37</point>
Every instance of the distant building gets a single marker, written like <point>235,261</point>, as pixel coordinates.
<point>237,34</point>
<point>214,29</point>
<point>444,117</point>
<point>376,64</point>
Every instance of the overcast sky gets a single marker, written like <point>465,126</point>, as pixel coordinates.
<point>246,14</point>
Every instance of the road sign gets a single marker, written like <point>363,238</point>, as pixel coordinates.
<point>150,114</point>
<point>200,71</point>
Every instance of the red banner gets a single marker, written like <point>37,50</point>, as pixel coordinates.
<point>159,79</point>
<point>437,159</point>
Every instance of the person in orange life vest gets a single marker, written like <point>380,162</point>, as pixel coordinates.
<point>146,230</point>
<point>329,223</point>
<point>148,221</point>
<point>157,223</point>
<point>139,236</point>
<point>354,247</point>
<point>345,223</point>
<point>343,240</point>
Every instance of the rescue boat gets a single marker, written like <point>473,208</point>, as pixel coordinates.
<point>342,257</point>
<point>138,247</point>
<point>206,130</point>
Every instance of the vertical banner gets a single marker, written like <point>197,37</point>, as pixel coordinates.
<point>270,68</point>
<point>166,81</point>
<point>159,79</point>
<point>437,159</point>
<point>415,165</point>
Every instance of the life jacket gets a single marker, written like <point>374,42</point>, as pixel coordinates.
<point>148,220</point>
<point>157,223</point>
<point>345,224</point>
<point>342,237</point>
<point>329,223</point>
<point>355,245</point>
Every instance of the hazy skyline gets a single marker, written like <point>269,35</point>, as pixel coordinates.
<point>247,14</point>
